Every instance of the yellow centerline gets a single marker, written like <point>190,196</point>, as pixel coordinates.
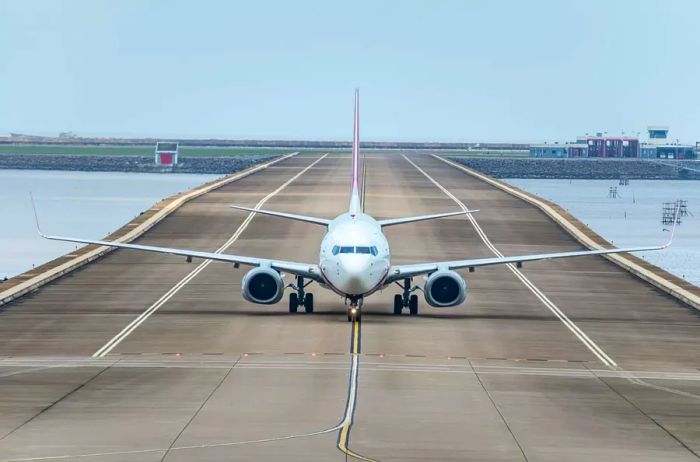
<point>344,434</point>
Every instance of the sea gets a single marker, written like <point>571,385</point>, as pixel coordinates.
<point>84,204</point>
<point>632,215</point>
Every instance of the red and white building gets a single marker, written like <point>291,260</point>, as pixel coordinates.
<point>166,153</point>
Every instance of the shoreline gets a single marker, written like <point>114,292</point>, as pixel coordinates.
<point>130,164</point>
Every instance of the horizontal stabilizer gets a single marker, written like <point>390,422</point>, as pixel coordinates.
<point>289,216</point>
<point>400,221</point>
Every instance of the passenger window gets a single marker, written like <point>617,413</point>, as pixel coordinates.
<point>362,250</point>
<point>335,250</point>
<point>347,250</point>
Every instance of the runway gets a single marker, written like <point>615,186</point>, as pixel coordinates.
<point>145,357</point>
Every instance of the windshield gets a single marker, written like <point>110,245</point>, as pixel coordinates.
<point>370,250</point>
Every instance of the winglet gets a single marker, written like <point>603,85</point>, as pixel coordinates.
<point>36,216</point>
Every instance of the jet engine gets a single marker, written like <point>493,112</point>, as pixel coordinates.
<point>262,285</point>
<point>445,288</point>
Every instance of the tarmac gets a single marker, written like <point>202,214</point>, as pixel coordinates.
<point>145,357</point>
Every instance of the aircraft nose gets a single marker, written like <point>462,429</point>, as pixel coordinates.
<point>355,274</point>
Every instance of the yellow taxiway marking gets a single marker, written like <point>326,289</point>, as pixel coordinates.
<point>346,424</point>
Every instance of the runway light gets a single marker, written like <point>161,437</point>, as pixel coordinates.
<point>245,354</point>
<point>381,355</point>
<point>449,357</point>
<point>313,354</point>
<point>178,354</point>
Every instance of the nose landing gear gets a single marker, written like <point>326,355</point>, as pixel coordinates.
<point>354,309</point>
<point>406,299</point>
<point>300,298</point>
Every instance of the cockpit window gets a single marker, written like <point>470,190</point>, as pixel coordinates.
<point>367,250</point>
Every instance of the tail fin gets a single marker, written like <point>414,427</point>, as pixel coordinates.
<point>355,203</point>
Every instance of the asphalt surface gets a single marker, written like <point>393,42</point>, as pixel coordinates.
<point>564,360</point>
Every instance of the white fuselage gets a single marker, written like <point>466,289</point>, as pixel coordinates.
<point>355,256</point>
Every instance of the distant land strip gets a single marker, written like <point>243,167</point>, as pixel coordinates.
<point>19,139</point>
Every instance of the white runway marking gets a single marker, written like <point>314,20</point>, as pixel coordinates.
<point>590,344</point>
<point>117,339</point>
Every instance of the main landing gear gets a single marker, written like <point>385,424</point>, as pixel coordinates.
<point>300,298</point>
<point>406,299</point>
<point>354,309</point>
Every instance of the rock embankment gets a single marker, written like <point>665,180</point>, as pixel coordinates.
<point>142,164</point>
<point>583,168</point>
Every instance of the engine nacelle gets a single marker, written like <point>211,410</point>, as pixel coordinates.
<point>262,285</point>
<point>445,288</point>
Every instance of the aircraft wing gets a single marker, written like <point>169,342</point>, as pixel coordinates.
<point>307,270</point>
<point>398,272</point>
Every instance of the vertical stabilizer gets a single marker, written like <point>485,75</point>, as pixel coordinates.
<point>355,203</point>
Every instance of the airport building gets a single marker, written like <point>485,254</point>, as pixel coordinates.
<point>659,147</point>
<point>600,146</point>
<point>559,151</point>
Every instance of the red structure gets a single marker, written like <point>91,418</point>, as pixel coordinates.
<point>166,153</point>
<point>165,158</point>
<point>613,147</point>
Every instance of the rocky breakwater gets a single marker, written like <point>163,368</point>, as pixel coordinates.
<point>142,164</point>
<point>580,168</point>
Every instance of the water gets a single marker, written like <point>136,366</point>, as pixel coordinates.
<point>84,204</point>
<point>634,218</point>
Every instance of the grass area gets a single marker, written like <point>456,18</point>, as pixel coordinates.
<point>487,154</point>
<point>185,151</point>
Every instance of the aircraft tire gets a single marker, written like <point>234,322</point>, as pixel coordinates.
<point>413,305</point>
<point>398,304</point>
<point>293,302</point>
<point>309,303</point>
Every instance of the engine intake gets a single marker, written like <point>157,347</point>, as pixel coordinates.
<point>445,288</point>
<point>262,285</point>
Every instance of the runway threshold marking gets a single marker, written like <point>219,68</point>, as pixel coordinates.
<point>117,339</point>
<point>348,418</point>
<point>590,344</point>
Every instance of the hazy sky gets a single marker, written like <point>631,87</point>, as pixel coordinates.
<point>462,70</point>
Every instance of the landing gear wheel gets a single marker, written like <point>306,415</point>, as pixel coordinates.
<point>413,305</point>
<point>293,302</point>
<point>398,304</point>
<point>309,303</point>
<point>354,314</point>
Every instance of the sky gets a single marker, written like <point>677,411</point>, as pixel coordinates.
<point>463,70</point>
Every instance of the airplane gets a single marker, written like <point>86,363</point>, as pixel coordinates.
<point>355,259</point>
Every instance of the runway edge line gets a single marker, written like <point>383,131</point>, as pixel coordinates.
<point>578,333</point>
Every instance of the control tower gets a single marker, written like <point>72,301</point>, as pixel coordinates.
<point>658,135</point>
